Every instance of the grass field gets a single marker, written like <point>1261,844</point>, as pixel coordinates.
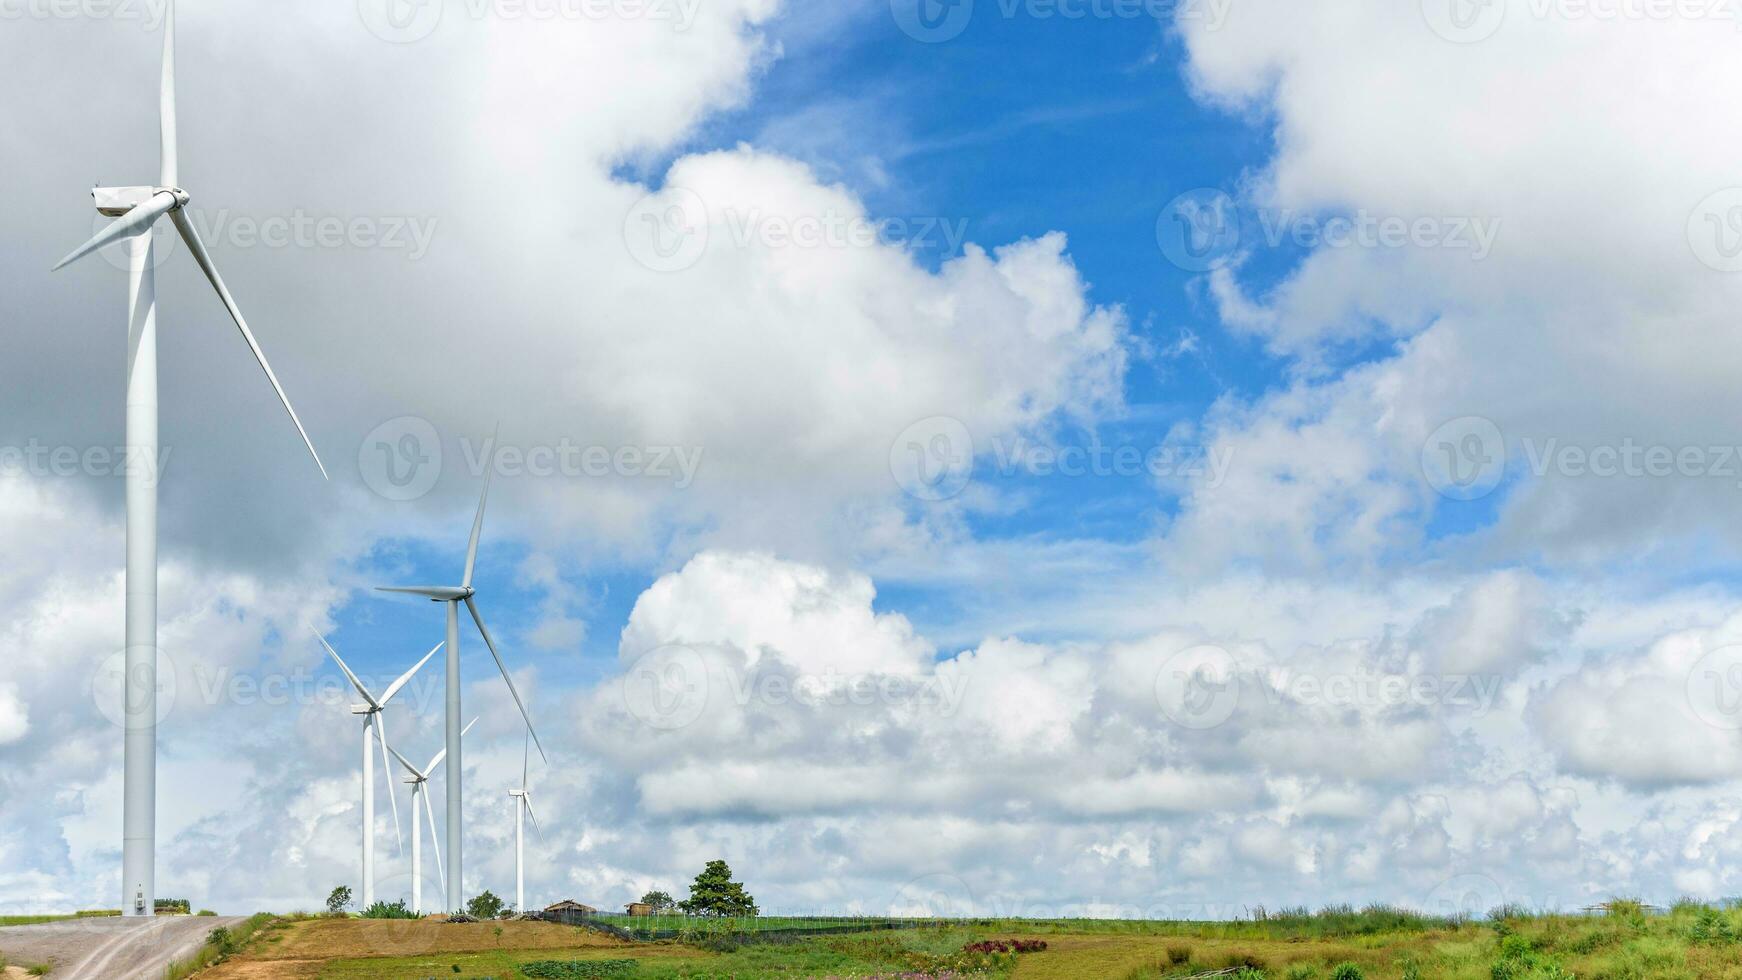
<point>1688,943</point>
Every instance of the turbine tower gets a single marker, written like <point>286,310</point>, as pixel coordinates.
<point>522,810</point>
<point>137,210</point>
<point>453,596</point>
<point>419,780</point>
<point>375,728</point>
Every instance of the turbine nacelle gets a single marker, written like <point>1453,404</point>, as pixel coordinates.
<point>116,202</point>
<point>437,593</point>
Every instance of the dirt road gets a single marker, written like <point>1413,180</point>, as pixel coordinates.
<point>109,948</point>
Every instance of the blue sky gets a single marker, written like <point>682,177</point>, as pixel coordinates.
<point>1315,377</point>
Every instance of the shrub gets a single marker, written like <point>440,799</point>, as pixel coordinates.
<point>389,910</point>
<point>578,969</point>
<point>1302,971</point>
<point>1712,928</point>
<point>1177,954</point>
<point>1347,971</point>
<point>485,906</point>
<point>1006,946</point>
<point>207,913</point>
<point>339,900</point>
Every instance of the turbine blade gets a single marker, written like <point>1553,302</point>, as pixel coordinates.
<point>132,223</point>
<point>435,841</point>
<point>347,669</point>
<point>485,632</point>
<point>443,754</point>
<point>528,801</point>
<point>405,762</point>
<point>478,522</point>
<point>525,758</point>
<point>191,235</point>
<point>405,678</point>
<point>166,103</point>
<point>386,770</point>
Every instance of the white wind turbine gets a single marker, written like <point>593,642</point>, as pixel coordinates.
<point>419,780</point>
<point>137,210</point>
<point>375,727</point>
<point>522,810</point>
<point>453,596</point>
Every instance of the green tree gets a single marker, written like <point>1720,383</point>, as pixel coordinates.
<point>339,900</point>
<point>715,893</point>
<point>661,902</point>
<point>485,906</point>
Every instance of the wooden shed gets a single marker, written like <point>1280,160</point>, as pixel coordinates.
<point>640,908</point>
<point>571,907</point>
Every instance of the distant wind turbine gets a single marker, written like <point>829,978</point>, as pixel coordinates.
<point>453,596</point>
<point>419,780</point>
<point>137,210</point>
<point>522,810</point>
<point>375,727</point>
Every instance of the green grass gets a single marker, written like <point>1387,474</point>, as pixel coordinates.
<point>220,944</point>
<point>1627,942</point>
<point>30,920</point>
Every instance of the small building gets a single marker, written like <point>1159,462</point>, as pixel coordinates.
<point>571,907</point>
<point>640,908</point>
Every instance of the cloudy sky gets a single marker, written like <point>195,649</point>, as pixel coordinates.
<point>1077,457</point>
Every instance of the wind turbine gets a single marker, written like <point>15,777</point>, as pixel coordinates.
<point>522,810</point>
<point>419,779</point>
<point>375,727</point>
<point>137,210</point>
<point>453,596</point>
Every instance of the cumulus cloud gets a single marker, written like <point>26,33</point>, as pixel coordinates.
<point>1587,329</point>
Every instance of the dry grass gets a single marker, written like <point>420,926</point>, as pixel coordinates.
<point>309,948</point>
<point>327,939</point>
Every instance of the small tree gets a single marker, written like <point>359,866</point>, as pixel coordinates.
<point>660,902</point>
<point>484,907</point>
<point>339,900</point>
<point>715,893</point>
